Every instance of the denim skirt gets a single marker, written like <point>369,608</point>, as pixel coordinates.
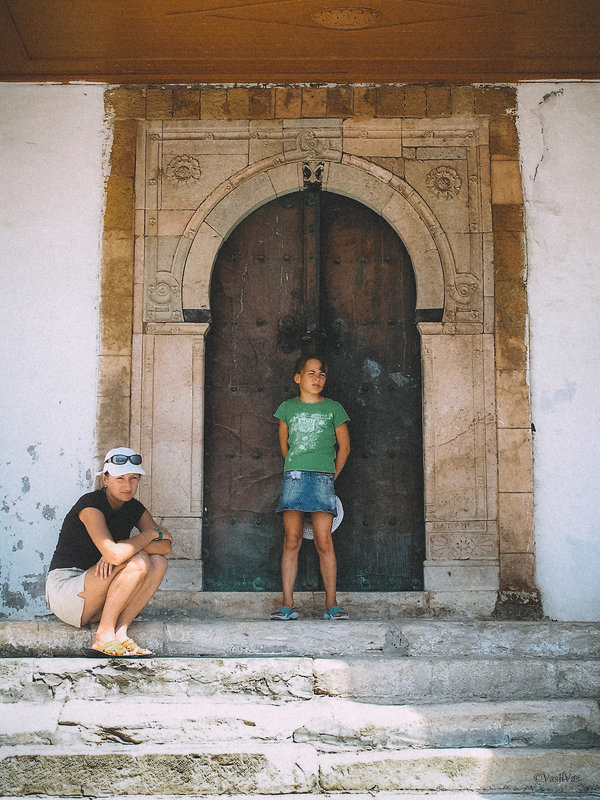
<point>307,491</point>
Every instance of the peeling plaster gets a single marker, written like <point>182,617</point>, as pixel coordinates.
<point>52,136</point>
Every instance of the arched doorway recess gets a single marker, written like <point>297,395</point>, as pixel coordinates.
<point>198,180</point>
<point>313,272</point>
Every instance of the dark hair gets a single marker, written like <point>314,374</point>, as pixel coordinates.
<point>301,362</point>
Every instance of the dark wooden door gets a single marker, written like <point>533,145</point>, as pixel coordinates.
<point>314,271</point>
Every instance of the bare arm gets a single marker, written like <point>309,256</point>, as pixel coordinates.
<point>283,438</point>
<point>112,552</point>
<point>161,546</point>
<point>342,435</point>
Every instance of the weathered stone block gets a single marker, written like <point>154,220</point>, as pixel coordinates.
<point>515,523</point>
<point>126,103</point>
<point>237,103</point>
<point>365,101</point>
<point>511,310</point>
<point>115,375</point>
<point>391,101</point>
<point>122,156</point>
<point>518,572</point>
<point>339,101</point>
<point>494,100</point>
<point>186,103</point>
<point>100,771</point>
<point>512,399</point>
<point>465,769</point>
<point>314,102</point>
<point>159,104</point>
<point>439,101</point>
<point>506,182</point>
<point>113,414</point>
<point>508,218</point>
<point>508,254</point>
<point>213,104</point>
<point>416,101</point>
<point>514,460</point>
<point>504,138</point>
<point>463,100</point>
<point>261,103</point>
<point>118,214</point>
<point>288,103</point>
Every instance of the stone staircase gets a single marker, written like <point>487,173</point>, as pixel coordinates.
<point>400,709</point>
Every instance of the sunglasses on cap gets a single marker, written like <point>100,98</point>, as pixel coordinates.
<point>121,459</point>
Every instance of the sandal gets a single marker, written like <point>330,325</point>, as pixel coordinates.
<point>335,612</point>
<point>284,613</point>
<point>135,650</point>
<point>111,649</point>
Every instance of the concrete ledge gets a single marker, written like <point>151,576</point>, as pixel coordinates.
<point>269,769</point>
<point>327,724</point>
<point>383,680</point>
<point>102,771</point>
<point>354,796</point>
<point>476,769</point>
<point>317,638</point>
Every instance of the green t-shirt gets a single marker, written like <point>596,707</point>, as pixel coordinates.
<point>311,433</point>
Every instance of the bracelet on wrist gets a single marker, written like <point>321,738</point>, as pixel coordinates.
<point>160,533</point>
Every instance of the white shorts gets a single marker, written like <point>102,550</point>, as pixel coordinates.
<point>62,594</point>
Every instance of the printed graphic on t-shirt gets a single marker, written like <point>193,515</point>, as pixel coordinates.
<point>305,429</point>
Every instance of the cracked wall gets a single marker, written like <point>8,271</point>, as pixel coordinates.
<point>51,139</point>
<point>558,127</point>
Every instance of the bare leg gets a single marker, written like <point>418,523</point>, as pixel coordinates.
<point>158,567</point>
<point>327,562</point>
<point>292,525</point>
<point>106,599</point>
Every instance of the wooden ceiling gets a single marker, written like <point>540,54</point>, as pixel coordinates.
<point>299,41</point>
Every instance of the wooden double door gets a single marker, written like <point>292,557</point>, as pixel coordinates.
<point>314,272</point>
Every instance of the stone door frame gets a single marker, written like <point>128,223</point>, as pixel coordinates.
<point>440,207</point>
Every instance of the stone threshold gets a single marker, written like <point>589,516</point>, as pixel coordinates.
<point>258,605</point>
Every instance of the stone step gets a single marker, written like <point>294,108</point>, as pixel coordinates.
<point>102,770</point>
<point>310,637</point>
<point>328,724</point>
<point>384,680</point>
<point>442,795</point>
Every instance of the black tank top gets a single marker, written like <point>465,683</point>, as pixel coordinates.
<point>75,547</point>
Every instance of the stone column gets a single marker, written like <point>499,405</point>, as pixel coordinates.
<point>168,428</point>
<point>461,567</point>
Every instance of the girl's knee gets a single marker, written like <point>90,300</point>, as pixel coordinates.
<point>324,547</point>
<point>292,543</point>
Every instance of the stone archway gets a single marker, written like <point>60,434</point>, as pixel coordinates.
<point>200,180</point>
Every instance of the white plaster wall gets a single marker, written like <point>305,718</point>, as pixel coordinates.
<point>558,127</point>
<point>51,203</point>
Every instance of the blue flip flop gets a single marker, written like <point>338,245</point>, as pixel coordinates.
<point>335,612</point>
<point>284,613</point>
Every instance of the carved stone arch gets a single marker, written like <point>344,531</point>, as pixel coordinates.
<point>436,196</point>
<point>397,202</point>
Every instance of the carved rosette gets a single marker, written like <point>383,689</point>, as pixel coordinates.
<point>183,170</point>
<point>163,299</point>
<point>444,183</point>
<point>464,291</point>
<point>307,141</point>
